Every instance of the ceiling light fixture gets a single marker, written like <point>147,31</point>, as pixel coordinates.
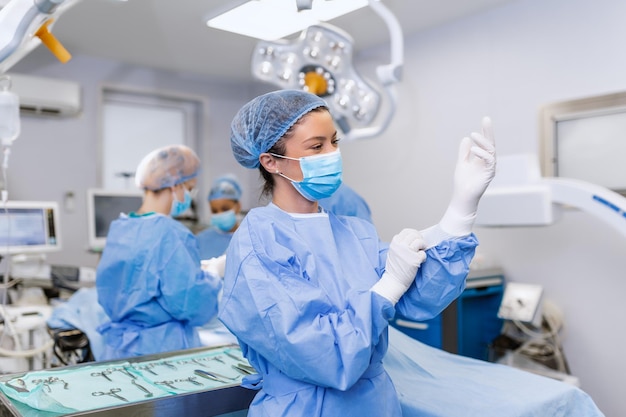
<point>320,61</point>
<point>275,19</point>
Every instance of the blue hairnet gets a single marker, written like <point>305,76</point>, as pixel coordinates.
<point>225,187</point>
<point>166,167</point>
<point>261,122</point>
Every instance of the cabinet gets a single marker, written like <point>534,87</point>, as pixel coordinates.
<point>469,324</point>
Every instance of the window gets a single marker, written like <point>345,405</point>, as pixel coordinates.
<point>586,139</point>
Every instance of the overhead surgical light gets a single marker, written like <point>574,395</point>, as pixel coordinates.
<point>25,24</point>
<point>320,61</point>
<point>275,19</point>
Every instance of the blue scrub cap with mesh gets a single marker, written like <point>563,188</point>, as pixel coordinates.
<point>260,123</point>
<point>166,167</point>
<point>225,187</point>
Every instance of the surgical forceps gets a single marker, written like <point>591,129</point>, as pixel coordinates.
<point>48,381</point>
<point>125,372</point>
<point>104,373</point>
<point>191,379</point>
<point>113,393</point>
<point>213,376</point>
<point>141,387</point>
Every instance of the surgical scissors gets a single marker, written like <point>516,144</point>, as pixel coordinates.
<point>113,393</point>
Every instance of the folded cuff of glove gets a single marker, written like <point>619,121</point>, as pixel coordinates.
<point>451,225</point>
<point>390,288</point>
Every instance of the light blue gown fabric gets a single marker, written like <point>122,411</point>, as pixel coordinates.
<point>347,202</point>
<point>151,287</point>
<point>297,296</point>
<point>212,242</point>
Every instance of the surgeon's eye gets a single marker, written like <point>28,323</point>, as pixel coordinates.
<point>336,141</point>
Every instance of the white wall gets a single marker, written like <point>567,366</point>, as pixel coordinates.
<point>54,156</point>
<point>507,63</point>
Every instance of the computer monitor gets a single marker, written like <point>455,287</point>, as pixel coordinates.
<point>29,227</point>
<point>104,206</point>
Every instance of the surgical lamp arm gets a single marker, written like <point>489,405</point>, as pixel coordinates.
<point>389,74</point>
<point>606,205</point>
<point>392,72</point>
<point>24,24</point>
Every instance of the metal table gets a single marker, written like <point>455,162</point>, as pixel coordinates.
<point>227,397</point>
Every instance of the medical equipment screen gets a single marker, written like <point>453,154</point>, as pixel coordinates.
<point>104,207</point>
<point>28,227</point>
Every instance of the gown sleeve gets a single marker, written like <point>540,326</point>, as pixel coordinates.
<point>440,279</point>
<point>188,293</point>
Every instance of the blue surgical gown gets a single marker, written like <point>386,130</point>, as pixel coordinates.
<point>347,202</point>
<point>213,242</point>
<point>297,296</point>
<point>151,287</point>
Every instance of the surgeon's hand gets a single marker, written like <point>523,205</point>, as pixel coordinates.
<point>406,254</point>
<point>475,168</point>
<point>215,266</point>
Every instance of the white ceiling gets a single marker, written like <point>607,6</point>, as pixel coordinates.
<point>172,35</point>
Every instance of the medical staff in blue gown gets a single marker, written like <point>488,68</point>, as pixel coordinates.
<point>308,293</point>
<point>225,208</point>
<point>149,279</point>
<point>347,202</point>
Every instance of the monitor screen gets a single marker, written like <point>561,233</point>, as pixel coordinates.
<point>104,206</point>
<point>29,227</point>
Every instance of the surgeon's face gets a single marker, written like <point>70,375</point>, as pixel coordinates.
<point>220,205</point>
<point>314,134</point>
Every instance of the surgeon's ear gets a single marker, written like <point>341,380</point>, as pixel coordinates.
<point>268,162</point>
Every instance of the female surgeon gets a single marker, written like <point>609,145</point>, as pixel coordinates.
<point>224,203</point>
<point>149,279</point>
<point>309,294</point>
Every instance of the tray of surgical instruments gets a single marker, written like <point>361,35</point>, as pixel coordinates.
<point>197,382</point>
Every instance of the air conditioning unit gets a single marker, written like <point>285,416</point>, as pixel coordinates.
<point>47,96</point>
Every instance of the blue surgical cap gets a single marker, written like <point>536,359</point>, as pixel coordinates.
<point>260,123</point>
<point>166,167</point>
<point>225,187</point>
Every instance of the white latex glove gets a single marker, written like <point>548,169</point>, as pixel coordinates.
<point>214,266</point>
<point>406,254</point>
<point>475,168</point>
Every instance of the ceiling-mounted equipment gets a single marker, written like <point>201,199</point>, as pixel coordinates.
<point>320,61</point>
<point>25,24</point>
<point>274,19</point>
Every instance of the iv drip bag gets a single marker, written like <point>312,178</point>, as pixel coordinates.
<point>9,113</point>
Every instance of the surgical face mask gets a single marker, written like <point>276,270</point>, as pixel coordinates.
<point>179,207</point>
<point>224,221</point>
<point>321,175</point>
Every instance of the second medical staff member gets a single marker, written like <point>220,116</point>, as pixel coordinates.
<point>149,279</point>
<point>224,202</point>
<point>309,294</point>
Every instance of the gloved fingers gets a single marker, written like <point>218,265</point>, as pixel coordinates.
<point>421,256</point>
<point>408,237</point>
<point>483,154</point>
<point>417,244</point>
<point>488,131</point>
<point>482,142</point>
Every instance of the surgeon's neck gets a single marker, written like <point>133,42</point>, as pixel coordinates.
<point>156,201</point>
<point>287,198</point>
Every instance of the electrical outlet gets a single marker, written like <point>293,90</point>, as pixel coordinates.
<point>522,302</point>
